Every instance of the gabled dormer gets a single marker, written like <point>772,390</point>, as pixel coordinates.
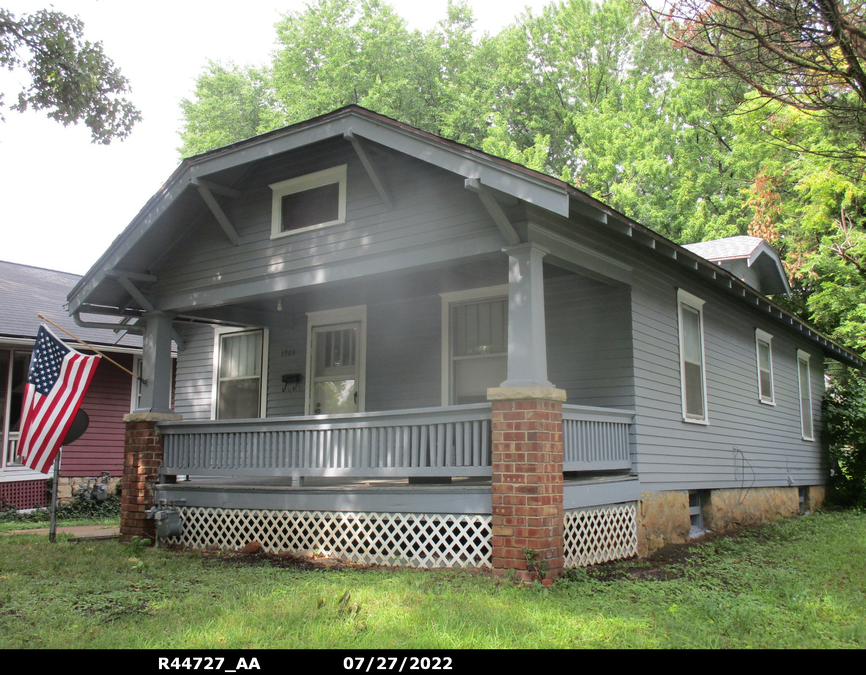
<point>751,259</point>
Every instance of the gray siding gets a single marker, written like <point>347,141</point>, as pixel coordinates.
<point>589,341</point>
<point>747,443</point>
<point>432,210</point>
<point>194,372</point>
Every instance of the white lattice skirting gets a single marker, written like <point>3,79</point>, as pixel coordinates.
<point>592,535</point>
<point>600,534</point>
<point>412,539</point>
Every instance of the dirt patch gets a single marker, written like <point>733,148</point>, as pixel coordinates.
<point>283,561</point>
<point>669,562</point>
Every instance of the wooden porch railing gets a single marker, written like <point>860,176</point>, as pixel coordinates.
<point>11,457</point>
<point>451,441</point>
<point>596,439</point>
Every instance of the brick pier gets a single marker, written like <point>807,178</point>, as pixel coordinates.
<point>527,454</point>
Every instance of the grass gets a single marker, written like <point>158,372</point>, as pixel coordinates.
<point>793,584</point>
<point>61,522</point>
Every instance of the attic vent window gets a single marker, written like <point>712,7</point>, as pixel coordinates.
<point>309,202</point>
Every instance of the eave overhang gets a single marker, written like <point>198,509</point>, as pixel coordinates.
<point>512,179</point>
<point>583,205</point>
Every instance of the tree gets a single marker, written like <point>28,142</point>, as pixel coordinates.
<point>70,77</point>
<point>810,54</point>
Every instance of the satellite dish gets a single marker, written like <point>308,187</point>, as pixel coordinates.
<point>77,428</point>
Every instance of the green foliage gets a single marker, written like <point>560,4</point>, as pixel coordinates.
<point>70,77</point>
<point>593,93</point>
<point>82,507</point>
<point>844,433</point>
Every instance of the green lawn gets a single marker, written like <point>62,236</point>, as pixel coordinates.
<point>797,583</point>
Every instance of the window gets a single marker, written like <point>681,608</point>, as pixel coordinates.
<point>14,366</point>
<point>692,371</point>
<point>336,361</point>
<point>308,202</point>
<point>240,371</point>
<point>764,347</point>
<point>805,380</point>
<point>475,344</point>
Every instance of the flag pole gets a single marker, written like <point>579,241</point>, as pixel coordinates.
<point>52,529</point>
<point>92,348</point>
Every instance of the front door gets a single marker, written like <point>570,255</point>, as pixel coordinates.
<point>336,376</point>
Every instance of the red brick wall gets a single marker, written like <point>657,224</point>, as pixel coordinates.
<point>527,489</point>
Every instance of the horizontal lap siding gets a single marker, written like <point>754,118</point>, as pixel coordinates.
<point>106,402</point>
<point>193,375</point>
<point>589,350</point>
<point>404,354</point>
<point>676,455</point>
<point>431,208</point>
<point>747,443</point>
<point>287,355</point>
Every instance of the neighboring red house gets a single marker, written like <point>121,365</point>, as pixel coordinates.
<point>26,292</point>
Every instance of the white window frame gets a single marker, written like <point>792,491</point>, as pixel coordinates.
<point>455,297</point>
<point>695,303</point>
<point>332,317</point>
<point>218,332</point>
<point>805,357</point>
<point>763,336</point>
<point>335,174</point>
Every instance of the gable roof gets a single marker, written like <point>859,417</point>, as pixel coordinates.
<point>515,180</point>
<point>27,291</point>
<point>755,251</point>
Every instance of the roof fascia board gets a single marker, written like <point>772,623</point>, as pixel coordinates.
<point>175,185</point>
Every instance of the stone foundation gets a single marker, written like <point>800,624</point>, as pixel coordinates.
<point>68,487</point>
<point>725,509</point>
<point>816,495</point>
<point>663,518</point>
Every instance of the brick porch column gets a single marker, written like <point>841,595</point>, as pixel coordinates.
<point>142,458</point>
<point>527,514</point>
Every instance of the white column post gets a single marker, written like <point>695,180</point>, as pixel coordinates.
<point>156,364</point>
<point>527,337</point>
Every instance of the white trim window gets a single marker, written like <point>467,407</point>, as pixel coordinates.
<point>474,343</point>
<point>804,378</point>
<point>336,361</point>
<point>138,369</point>
<point>693,376</point>
<point>240,373</point>
<point>309,202</point>
<point>764,355</point>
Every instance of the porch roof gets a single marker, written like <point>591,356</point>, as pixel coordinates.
<point>154,230</point>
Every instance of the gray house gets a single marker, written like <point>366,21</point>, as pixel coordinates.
<point>393,347</point>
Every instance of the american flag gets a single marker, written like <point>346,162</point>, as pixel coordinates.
<point>56,383</point>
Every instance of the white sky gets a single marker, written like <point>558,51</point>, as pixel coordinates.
<point>62,199</point>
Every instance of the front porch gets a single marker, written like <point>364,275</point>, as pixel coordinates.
<point>411,487</point>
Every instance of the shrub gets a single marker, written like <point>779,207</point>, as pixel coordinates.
<point>844,434</point>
